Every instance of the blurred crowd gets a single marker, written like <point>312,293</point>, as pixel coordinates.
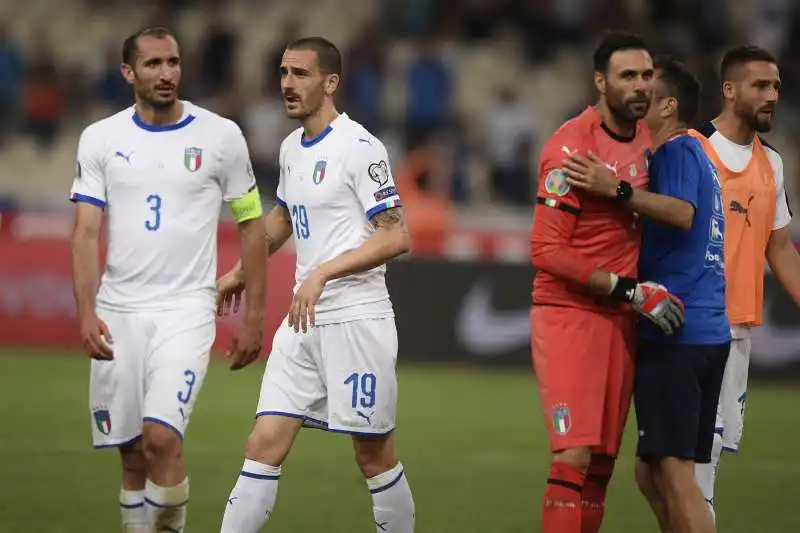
<point>476,157</point>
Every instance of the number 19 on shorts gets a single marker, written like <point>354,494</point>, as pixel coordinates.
<point>363,386</point>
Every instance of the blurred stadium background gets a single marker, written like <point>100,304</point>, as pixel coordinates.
<point>463,93</point>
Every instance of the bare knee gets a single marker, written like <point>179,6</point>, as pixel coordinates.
<point>579,458</point>
<point>134,467</point>
<point>375,455</point>
<point>645,478</point>
<point>676,474</point>
<point>272,438</point>
<point>160,443</point>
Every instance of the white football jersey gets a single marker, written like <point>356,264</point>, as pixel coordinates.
<point>162,189</point>
<point>332,185</point>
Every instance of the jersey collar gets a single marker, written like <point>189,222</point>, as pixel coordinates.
<point>308,143</point>
<point>182,123</point>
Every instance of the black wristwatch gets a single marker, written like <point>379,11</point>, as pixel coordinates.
<point>624,191</point>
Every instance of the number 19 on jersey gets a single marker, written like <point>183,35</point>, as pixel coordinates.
<point>300,216</point>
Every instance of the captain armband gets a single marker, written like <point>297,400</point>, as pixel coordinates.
<point>247,207</point>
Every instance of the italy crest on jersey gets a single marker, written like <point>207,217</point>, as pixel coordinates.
<point>193,159</point>
<point>102,419</point>
<point>319,172</point>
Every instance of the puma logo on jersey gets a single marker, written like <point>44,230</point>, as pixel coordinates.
<point>738,208</point>
<point>123,156</point>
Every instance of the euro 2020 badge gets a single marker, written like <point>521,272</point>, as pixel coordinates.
<point>556,182</point>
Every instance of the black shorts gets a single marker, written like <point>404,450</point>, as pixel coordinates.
<point>676,391</point>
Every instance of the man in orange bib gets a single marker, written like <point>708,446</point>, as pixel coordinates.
<point>757,217</point>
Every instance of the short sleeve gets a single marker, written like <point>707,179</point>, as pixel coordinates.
<point>554,191</point>
<point>783,214</point>
<point>89,183</point>
<point>368,166</point>
<point>676,172</point>
<point>236,172</point>
<point>238,179</point>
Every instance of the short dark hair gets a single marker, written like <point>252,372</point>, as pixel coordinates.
<point>681,84</point>
<point>616,42</point>
<point>329,59</point>
<point>740,56</point>
<point>130,48</point>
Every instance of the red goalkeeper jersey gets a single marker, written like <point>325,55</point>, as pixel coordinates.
<point>575,233</point>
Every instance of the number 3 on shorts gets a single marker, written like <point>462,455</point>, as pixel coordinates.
<point>184,397</point>
<point>363,389</point>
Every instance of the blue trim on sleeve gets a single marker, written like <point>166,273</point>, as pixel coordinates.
<point>87,200</point>
<point>383,206</point>
<point>156,128</point>
<point>307,143</point>
<point>280,201</point>
<point>164,423</point>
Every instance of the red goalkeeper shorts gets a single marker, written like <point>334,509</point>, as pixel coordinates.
<point>584,365</point>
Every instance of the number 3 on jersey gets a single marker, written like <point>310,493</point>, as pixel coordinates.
<point>300,216</point>
<point>155,206</point>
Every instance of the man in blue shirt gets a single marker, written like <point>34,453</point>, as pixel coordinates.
<point>678,377</point>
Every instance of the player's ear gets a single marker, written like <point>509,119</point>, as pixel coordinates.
<point>600,82</point>
<point>670,107</point>
<point>728,90</point>
<point>127,73</point>
<point>331,84</point>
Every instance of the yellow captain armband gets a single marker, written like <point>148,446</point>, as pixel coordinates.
<point>247,207</point>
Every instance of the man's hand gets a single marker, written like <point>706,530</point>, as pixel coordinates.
<point>246,344</point>
<point>301,314</point>
<point>656,303</point>
<point>96,338</point>
<point>590,174</point>
<point>230,289</point>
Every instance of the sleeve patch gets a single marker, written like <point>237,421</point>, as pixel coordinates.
<point>385,193</point>
<point>379,173</point>
<point>556,182</point>
<point>558,204</point>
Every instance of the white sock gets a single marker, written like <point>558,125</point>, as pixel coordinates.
<point>392,503</point>
<point>134,514</point>
<point>706,474</point>
<point>252,498</point>
<point>166,506</point>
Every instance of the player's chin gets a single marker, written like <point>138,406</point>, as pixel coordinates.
<point>763,124</point>
<point>297,112</point>
<point>638,110</point>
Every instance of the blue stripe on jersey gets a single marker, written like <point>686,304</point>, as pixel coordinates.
<point>281,201</point>
<point>87,200</point>
<point>307,143</point>
<point>162,127</point>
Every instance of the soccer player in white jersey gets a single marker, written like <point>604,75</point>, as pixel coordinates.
<point>332,363</point>
<point>160,170</point>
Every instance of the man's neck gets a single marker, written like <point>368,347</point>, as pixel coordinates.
<point>160,116</point>
<point>622,128</point>
<point>315,124</point>
<point>733,128</point>
<point>667,131</point>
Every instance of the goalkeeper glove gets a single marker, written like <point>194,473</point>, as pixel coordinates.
<point>651,300</point>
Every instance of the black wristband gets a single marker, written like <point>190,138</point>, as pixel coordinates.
<point>624,191</point>
<point>624,290</point>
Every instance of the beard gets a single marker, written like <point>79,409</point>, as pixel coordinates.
<point>151,98</point>
<point>630,110</point>
<point>304,108</point>
<point>750,116</point>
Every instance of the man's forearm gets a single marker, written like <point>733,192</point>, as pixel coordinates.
<point>785,264</point>
<point>85,252</point>
<point>665,209</point>
<point>381,247</point>
<point>254,270</point>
